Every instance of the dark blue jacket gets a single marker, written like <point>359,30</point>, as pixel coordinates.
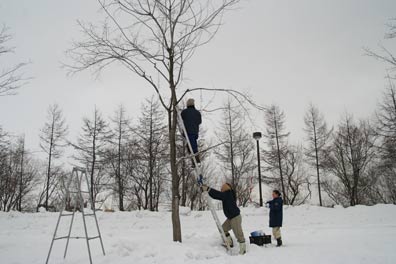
<point>276,212</point>
<point>192,119</point>
<point>230,207</point>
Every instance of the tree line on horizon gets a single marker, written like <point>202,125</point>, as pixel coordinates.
<point>349,164</point>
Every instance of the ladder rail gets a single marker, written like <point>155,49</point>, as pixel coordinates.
<point>197,169</point>
<point>83,217</point>
<point>59,217</point>
<point>53,239</point>
<point>69,233</point>
<point>94,215</point>
<point>72,215</point>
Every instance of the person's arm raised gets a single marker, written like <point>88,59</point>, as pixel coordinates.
<point>215,194</point>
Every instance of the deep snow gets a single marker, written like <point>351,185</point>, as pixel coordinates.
<point>311,234</point>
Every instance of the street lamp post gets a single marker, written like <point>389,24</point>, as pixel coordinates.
<point>257,137</point>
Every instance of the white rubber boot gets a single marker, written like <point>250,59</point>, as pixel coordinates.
<point>242,248</point>
<point>229,240</point>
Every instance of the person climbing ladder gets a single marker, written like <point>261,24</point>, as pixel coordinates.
<point>232,212</point>
<point>192,119</point>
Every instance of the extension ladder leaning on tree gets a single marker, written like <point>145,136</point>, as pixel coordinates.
<point>198,173</point>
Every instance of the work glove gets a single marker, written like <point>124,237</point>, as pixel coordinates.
<point>205,188</point>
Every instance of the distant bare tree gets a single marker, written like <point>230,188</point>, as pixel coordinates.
<point>115,154</point>
<point>18,177</point>
<point>11,77</point>
<point>91,146</point>
<point>385,54</point>
<point>54,186</point>
<point>52,140</point>
<point>277,144</point>
<point>297,184</point>
<point>318,137</point>
<point>237,152</point>
<point>4,140</point>
<point>386,129</point>
<point>349,160</point>
<point>154,39</point>
<point>152,151</point>
<point>130,162</point>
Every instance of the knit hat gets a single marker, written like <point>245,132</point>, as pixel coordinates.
<point>190,102</point>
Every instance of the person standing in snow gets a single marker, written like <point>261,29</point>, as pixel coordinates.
<point>231,211</point>
<point>192,119</point>
<point>276,216</point>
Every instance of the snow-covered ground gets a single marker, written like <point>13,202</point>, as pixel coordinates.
<point>311,235</point>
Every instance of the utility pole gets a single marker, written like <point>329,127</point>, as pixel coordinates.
<point>257,137</point>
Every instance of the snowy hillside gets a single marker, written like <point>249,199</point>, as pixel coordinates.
<point>311,235</point>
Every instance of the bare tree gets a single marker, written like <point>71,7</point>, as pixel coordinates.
<point>277,144</point>
<point>11,77</point>
<point>237,152</point>
<point>318,136</point>
<point>52,139</point>
<point>386,129</point>
<point>4,141</point>
<point>152,151</point>
<point>130,163</point>
<point>154,39</point>
<point>297,187</point>
<point>91,145</point>
<point>55,187</point>
<point>116,152</point>
<point>385,54</point>
<point>18,176</point>
<point>349,160</point>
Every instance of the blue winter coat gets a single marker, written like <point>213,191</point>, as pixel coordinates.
<point>230,207</point>
<point>276,212</point>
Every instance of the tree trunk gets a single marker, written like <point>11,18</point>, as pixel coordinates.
<point>21,177</point>
<point>93,165</point>
<point>231,148</point>
<point>317,162</point>
<point>172,120</point>
<point>48,172</point>
<point>279,160</point>
<point>151,163</point>
<point>120,187</point>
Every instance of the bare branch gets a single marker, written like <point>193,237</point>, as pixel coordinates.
<point>11,78</point>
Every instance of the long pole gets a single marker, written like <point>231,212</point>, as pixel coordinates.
<point>21,175</point>
<point>259,172</point>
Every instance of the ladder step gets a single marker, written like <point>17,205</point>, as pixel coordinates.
<point>89,214</point>
<point>63,237</point>
<point>76,237</point>
<point>66,214</point>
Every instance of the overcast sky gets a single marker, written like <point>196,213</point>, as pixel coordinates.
<point>285,52</point>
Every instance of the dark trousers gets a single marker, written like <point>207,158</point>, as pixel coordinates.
<point>193,141</point>
<point>194,145</point>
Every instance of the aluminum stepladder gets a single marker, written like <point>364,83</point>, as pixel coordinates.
<point>77,176</point>
<point>198,172</point>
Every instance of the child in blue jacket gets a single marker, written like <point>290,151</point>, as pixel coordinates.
<point>276,216</point>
